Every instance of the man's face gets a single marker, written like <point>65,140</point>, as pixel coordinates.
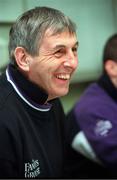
<point>57,60</point>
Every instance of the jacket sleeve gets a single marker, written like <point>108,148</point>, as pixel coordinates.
<point>81,166</point>
<point>101,134</point>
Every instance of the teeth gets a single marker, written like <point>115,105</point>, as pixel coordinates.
<point>65,76</point>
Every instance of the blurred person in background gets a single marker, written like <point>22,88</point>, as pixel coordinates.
<point>43,56</point>
<point>93,121</point>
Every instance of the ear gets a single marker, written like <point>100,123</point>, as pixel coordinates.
<point>111,68</point>
<point>22,58</point>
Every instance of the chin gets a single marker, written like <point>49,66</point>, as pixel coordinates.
<point>63,93</point>
<point>59,93</point>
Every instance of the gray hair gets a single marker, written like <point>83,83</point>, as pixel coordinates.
<point>29,29</point>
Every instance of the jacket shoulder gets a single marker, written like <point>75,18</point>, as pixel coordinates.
<point>5,90</point>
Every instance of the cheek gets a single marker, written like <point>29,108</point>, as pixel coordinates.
<point>76,63</point>
<point>38,67</point>
<point>44,67</point>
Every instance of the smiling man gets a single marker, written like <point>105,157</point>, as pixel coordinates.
<point>58,60</point>
<point>43,56</point>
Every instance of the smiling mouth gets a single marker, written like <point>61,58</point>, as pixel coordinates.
<point>63,76</point>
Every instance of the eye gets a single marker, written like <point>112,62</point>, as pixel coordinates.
<point>59,53</point>
<point>74,50</point>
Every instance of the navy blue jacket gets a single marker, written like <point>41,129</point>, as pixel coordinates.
<point>31,134</point>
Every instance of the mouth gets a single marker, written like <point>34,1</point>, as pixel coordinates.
<point>63,76</point>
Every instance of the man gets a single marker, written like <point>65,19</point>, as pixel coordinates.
<point>94,121</point>
<point>43,53</point>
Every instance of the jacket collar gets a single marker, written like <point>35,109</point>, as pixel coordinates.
<point>28,91</point>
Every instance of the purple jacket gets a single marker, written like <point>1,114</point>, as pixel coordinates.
<point>96,115</point>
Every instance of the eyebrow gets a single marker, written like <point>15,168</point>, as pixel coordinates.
<point>76,44</point>
<point>63,46</point>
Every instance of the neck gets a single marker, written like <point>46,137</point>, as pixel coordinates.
<point>109,85</point>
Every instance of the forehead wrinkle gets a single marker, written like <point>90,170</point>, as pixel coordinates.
<point>64,46</point>
<point>59,46</point>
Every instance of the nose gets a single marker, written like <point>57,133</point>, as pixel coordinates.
<point>71,61</point>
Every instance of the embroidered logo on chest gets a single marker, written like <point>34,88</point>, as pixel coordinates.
<point>32,169</point>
